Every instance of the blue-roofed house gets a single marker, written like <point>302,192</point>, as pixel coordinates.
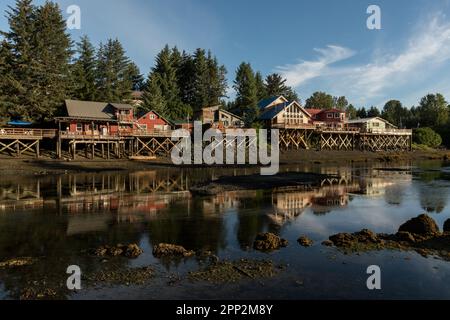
<point>278,112</point>
<point>272,101</point>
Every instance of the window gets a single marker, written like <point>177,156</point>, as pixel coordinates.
<point>376,124</point>
<point>337,115</point>
<point>79,127</point>
<point>143,127</point>
<point>152,117</point>
<point>329,115</point>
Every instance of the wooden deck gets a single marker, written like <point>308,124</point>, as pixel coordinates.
<point>116,136</point>
<point>124,144</point>
<point>27,134</point>
<point>149,144</point>
<point>17,141</point>
<point>345,138</point>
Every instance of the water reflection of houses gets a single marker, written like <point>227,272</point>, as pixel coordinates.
<point>93,201</point>
<point>20,195</point>
<point>132,198</point>
<point>288,205</point>
<point>225,201</point>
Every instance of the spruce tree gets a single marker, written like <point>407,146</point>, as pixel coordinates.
<point>186,75</point>
<point>275,85</point>
<point>260,86</point>
<point>114,81</point>
<point>18,45</point>
<point>201,80</point>
<point>164,76</point>
<point>51,71</point>
<point>136,77</point>
<point>246,93</point>
<point>152,98</point>
<point>39,60</point>
<point>84,72</point>
<point>216,79</point>
<point>6,83</point>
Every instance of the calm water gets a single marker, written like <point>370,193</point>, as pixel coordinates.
<point>58,218</point>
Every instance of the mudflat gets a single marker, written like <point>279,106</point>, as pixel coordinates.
<point>47,165</point>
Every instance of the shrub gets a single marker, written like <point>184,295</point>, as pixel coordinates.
<point>427,137</point>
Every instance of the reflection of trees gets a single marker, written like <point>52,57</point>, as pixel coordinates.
<point>189,226</point>
<point>45,238</point>
<point>253,221</point>
<point>432,198</point>
<point>394,194</point>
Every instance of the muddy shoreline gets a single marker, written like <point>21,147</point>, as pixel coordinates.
<point>47,166</point>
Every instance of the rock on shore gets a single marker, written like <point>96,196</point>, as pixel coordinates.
<point>268,242</point>
<point>129,251</point>
<point>420,234</point>
<point>171,250</point>
<point>423,225</point>
<point>305,241</point>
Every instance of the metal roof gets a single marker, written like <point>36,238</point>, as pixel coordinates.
<point>94,110</point>
<point>273,112</point>
<point>365,120</point>
<point>265,102</point>
<point>122,106</point>
<point>230,113</point>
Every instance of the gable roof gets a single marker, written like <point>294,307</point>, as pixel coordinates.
<point>275,110</point>
<point>122,106</point>
<point>365,120</point>
<point>266,102</point>
<point>333,110</point>
<point>313,112</point>
<point>90,110</point>
<point>144,113</point>
<point>230,113</point>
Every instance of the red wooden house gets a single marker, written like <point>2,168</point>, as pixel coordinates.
<point>96,118</point>
<point>151,121</point>
<point>328,117</point>
<point>103,119</point>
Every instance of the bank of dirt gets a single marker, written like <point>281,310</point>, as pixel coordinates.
<point>46,165</point>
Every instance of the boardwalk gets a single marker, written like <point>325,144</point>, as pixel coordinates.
<point>128,144</point>
<point>324,138</point>
<point>17,141</point>
<point>139,144</point>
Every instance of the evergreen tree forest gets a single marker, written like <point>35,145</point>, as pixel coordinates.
<point>41,66</point>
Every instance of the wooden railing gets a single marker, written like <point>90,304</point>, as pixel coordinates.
<point>22,132</point>
<point>88,135</point>
<point>99,135</point>
<point>390,131</point>
<point>293,126</point>
<point>153,133</point>
<point>338,129</point>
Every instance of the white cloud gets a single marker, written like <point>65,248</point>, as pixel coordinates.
<point>298,74</point>
<point>427,49</point>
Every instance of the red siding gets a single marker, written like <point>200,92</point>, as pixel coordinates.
<point>151,123</point>
<point>323,116</point>
<point>86,128</point>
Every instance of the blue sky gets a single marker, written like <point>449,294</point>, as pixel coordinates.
<point>316,45</point>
